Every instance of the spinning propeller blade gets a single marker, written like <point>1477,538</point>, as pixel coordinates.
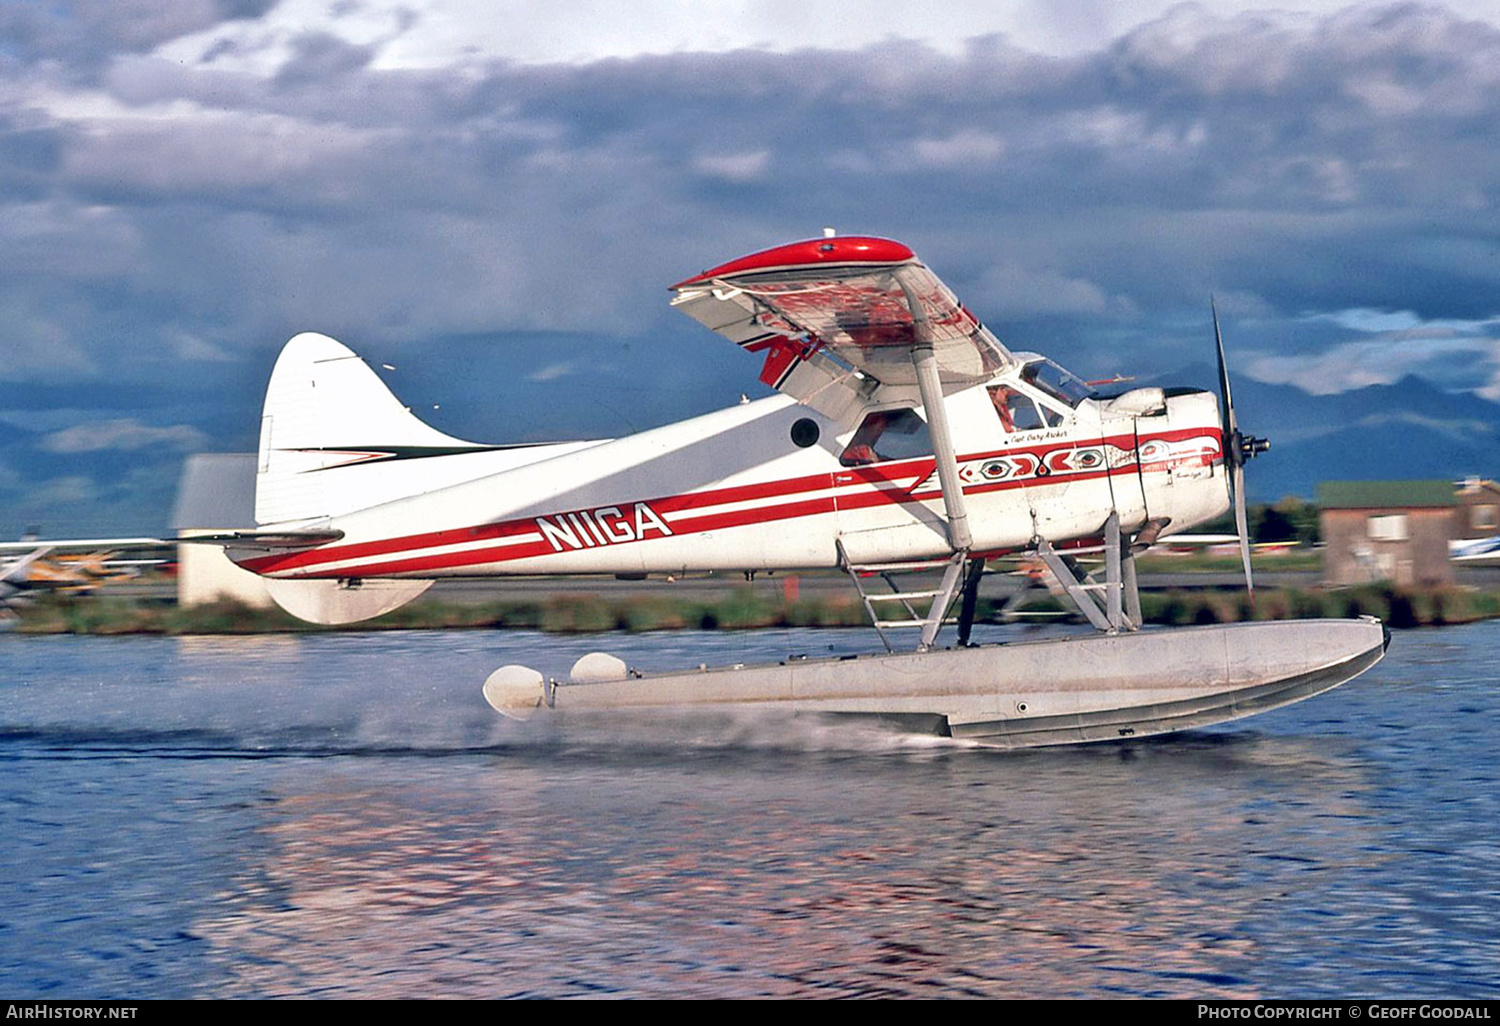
<point>1241,527</point>
<point>1238,448</point>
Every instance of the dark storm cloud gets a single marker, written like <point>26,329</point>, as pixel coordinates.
<point>318,58</point>
<point>83,35</point>
<point>160,214</point>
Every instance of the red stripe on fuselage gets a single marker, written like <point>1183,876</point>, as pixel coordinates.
<point>508,528</point>
<point>893,473</point>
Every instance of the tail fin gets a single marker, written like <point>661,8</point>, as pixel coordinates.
<point>325,411</point>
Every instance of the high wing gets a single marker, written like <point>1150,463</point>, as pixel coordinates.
<point>85,544</point>
<point>1475,551</point>
<point>827,308</point>
<point>840,317</point>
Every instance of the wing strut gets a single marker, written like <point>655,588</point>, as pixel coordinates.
<point>960,540</point>
<point>931,388</point>
<point>972,578</point>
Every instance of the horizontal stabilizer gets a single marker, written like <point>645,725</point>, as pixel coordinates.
<point>270,541</point>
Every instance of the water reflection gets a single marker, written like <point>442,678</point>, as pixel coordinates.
<point>781,872</point>
<point>343,816</point>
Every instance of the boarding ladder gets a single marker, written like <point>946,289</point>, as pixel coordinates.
<point>935,601</point>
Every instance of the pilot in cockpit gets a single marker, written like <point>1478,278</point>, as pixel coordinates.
<point>1001,395</point>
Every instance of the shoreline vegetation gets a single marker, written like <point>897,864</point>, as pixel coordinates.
<point>743,608</point>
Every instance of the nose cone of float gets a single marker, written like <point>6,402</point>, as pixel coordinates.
<point>516,691</point>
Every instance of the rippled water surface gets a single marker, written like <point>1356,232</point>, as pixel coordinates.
<point>342,815</point>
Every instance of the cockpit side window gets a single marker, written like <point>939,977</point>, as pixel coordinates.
<point>887,435</point>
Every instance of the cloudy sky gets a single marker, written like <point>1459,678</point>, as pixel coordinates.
<point>491,198</point>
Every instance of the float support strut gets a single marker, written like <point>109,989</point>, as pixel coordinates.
<point>1120,608</point>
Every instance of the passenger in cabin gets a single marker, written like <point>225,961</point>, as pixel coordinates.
<point>896,434</point>
<point>861,448</point>
<point>1016,410</point>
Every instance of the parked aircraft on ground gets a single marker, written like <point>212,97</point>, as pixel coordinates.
<point>78,566</point>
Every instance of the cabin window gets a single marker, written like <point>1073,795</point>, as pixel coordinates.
<point>1485,518</point>
<point>1019,412</point>
<point>887,435</point>
<point>1391,527</point>
<point>805,433</point>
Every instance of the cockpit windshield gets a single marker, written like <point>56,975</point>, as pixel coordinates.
<point>1060,384</point>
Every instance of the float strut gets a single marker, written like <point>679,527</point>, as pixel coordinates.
<point>972,577</point>
<point>1120,609</point>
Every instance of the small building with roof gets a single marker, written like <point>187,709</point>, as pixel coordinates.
<point>1478,509</point>
<point>216,493</point>
<point>1394,531</point>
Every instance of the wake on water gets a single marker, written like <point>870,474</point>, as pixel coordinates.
<point>389,694</point>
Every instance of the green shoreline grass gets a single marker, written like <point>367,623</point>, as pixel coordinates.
<point>743,609</point>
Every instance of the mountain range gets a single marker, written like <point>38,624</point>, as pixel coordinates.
<point>1409,429</point>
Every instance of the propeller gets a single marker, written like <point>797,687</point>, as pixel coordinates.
<point>1238,447</point>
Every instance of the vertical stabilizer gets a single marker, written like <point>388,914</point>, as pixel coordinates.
<point>328,420</point>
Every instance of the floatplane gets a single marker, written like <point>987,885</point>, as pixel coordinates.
<point>905,437</point>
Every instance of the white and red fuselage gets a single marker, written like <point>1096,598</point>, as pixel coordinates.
<point>732,490</point>
<point>838,471</point>
<point>905,435</point>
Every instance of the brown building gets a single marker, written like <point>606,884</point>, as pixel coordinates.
<point>1394,531</point>
<point>1478,509</point>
